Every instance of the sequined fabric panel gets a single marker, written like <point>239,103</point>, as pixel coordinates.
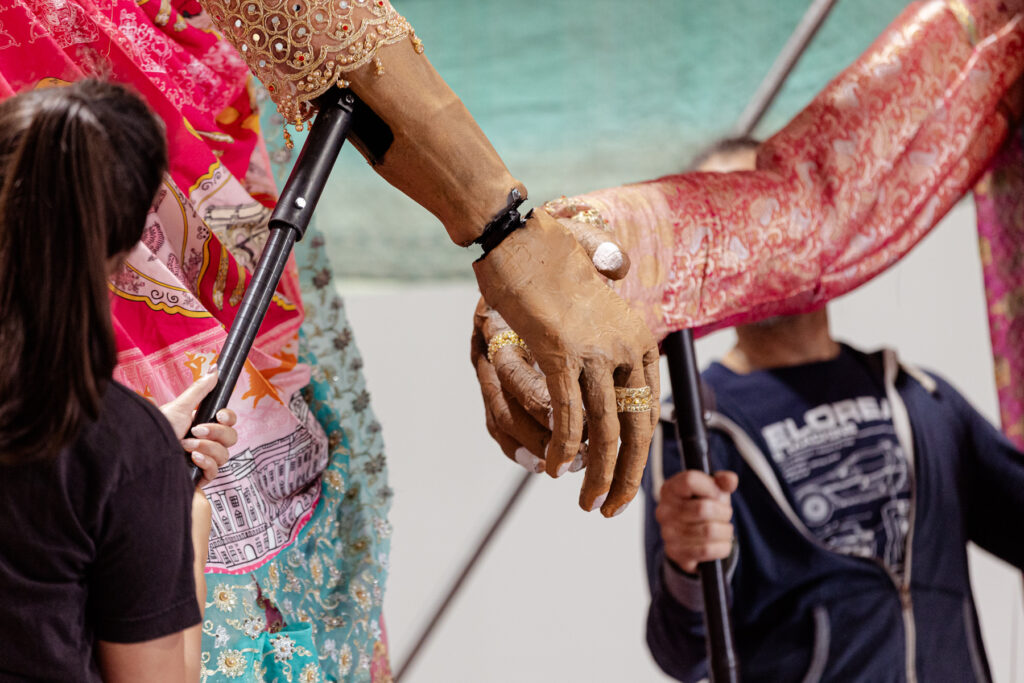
<point>300,48</point>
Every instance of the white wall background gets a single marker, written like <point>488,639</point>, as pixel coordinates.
<point>561,595</point>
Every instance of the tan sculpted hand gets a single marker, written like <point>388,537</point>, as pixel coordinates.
<point>591,349</point>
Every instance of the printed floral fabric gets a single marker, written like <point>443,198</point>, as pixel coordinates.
<point>999,198</point>
<point>287,654</point>
<point>300,537</point>
<point>841,193</point>
<point>330,581</point>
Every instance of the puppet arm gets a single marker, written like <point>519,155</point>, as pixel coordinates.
<point>418,135</point>
<point>841,193</point>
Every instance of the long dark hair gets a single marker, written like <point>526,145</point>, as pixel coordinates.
<point>79,169</point>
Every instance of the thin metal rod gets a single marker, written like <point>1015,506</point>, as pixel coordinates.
<point>782,66</point>
<point>456,585</point>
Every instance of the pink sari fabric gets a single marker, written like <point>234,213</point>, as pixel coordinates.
<point>183,283</point>
<point>999,198</point>
<point>841,193</point>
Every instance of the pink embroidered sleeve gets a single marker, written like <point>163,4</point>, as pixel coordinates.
<point>841,193</point>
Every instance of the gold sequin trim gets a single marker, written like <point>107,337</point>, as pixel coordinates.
<point>300,48</point>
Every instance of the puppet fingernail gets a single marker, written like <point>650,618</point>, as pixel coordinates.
<point>578,461</point>
<point>607,257</point>
<point>190,444</point>
<point>201,430</point>
<point>622,508</point>
<point>529,461</point>
<point>599,501</point>
<point>563,468</point>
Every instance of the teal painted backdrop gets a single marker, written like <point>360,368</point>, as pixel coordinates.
<point>582,94</point>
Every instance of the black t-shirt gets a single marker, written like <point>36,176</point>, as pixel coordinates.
<point>95,544</point>
<point>827,430</point>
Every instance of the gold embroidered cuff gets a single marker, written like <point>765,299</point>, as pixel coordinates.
<point>300,48</point>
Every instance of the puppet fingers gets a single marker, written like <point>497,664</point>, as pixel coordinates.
<point>603,425</point>
<point>652,373</point>
<point>508,353</point>
<point>636,403</point>
<point>511,448</point>
<point>526,385</point>
<point>610,259</point>
<point>566,420</point>
<point>519,436</point>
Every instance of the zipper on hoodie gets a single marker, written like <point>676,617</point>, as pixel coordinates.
<point>904,430</point>
<point>753,456</point>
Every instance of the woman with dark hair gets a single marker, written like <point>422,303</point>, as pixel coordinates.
<point>97,578</point>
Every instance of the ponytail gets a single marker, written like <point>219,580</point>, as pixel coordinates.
<point>79,167</point>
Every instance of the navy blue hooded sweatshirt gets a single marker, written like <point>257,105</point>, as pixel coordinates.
<point>804,612</point>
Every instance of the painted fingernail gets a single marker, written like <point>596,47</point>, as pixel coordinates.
<point>223,416</point>
<point>190,444</point>
<point>579,462</point>
<point>211,369</point>
<point>199,459</point>
<point>563,468</point>
<point>622,508</point>
<point>529,461</point>
<point>201,430</point>
<point>607,257</point>
<point>599,501</point>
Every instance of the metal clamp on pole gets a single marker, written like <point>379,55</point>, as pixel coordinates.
<point>288,224</point>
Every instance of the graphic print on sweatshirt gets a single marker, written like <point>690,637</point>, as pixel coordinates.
<point>827,430</point>
<point>848,474</point>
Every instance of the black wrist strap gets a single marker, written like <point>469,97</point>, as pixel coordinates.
<point>501,226</point>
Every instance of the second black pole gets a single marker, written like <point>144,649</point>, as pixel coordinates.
<point>691,432</point>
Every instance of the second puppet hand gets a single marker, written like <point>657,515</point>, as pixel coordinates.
<point>521,416</point>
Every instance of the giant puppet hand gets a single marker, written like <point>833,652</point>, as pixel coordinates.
<point>416,133</point>
<point>594,352</point>
<point>517,404</point>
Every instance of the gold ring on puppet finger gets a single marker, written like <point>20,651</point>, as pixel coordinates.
<point>506,338</point>
<point>633,399</point>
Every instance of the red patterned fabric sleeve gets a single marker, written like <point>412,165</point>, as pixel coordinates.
<point>841,193</point>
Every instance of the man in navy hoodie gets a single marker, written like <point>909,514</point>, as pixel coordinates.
<point>849,485</point>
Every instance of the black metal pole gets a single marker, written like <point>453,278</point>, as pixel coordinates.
<point>288,224</point>
<point>692,436</point>
<point>684,376</point>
